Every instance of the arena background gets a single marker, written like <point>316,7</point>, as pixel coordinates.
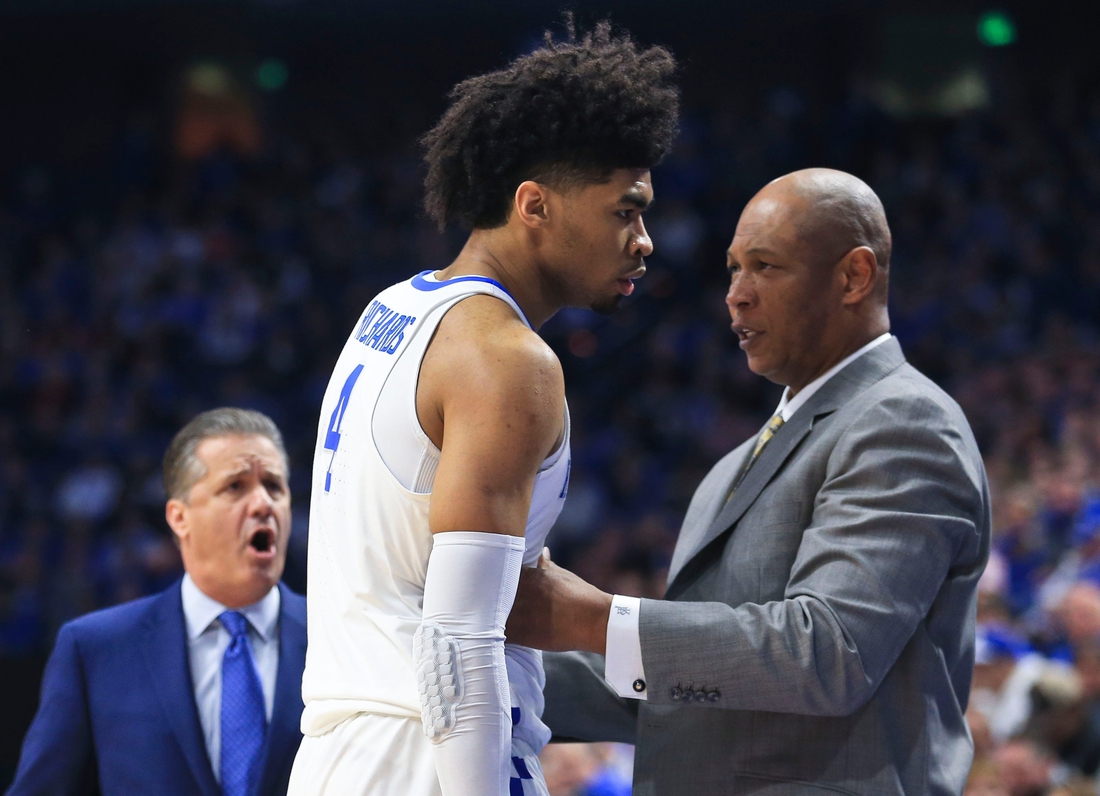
<point>198,198</point>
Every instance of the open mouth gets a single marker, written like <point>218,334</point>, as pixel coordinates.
<point>263,541</point>
<point>745,335</point>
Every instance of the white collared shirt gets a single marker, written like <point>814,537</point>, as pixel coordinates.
<point>207,641</point>
<point>623,668</point>
<point>788,406</point>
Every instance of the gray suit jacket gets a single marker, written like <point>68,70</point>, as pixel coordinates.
<point>817,635</point>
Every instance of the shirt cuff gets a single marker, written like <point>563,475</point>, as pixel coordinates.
<point>623,661</point>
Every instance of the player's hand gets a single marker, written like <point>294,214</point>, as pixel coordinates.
<point>557,611</point>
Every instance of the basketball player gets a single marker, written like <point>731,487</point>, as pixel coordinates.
<point>442,457</point>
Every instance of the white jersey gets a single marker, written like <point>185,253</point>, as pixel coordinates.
<point>369,542</point>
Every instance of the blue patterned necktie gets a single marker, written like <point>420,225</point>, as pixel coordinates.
<point>243,717</point>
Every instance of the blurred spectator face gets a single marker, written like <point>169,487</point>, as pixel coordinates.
<point>598,248</point>
<point>1079,613</point>
<point>1024,768</point>
<point>991,607</point>
<point>1017,508</point>
<point>985,779</point>
<point>979,732</point>
<point>786,304</point>
<point>568,766</point>
<point>234,524</point>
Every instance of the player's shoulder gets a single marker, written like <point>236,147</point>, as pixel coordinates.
<point>484,316</point>
<point>483,333</point>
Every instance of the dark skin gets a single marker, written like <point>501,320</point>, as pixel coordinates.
<point>806,291</point>
<point>490,394</point>
<point>801,297</point>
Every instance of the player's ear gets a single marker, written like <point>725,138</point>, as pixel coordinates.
<point>531,203</point>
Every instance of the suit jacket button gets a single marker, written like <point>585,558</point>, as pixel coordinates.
<point>714,695</point>
<point>700,695</point>
<point>676,694</point>
<point>639,685</point>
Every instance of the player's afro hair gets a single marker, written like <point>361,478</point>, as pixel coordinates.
<point>570,113</point>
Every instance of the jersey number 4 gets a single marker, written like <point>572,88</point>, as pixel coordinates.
<point>332,437</point>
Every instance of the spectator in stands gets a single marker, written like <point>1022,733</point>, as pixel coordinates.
<point>1061,720</point>
<point>1005,669</point>
<point>985,779</point>
<point>167,285</point>
<point>195,690</point>
<point>1027,768</point>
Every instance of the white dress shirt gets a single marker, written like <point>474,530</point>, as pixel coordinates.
<point>623,668</point>
<point>207,641</point>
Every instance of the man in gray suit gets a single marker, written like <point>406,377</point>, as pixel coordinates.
<point>818,630</point>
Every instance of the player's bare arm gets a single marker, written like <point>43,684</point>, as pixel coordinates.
<point>491,397</point>
<point>455,444</point>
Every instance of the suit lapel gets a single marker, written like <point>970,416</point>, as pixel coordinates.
<point>165,651</point>
<point>770,460</point>
<point>284,732</point>
<point>837,391</point>
<point>695,527</point>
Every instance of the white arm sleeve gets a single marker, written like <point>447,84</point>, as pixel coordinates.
<point>459,651</point>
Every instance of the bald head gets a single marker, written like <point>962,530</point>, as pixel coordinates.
<point>808,274</point>
<point>834,212</point>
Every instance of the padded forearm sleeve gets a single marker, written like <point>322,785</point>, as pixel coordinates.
<point>459,651</point>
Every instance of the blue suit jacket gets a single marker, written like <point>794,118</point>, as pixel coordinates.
<point>118,714</point>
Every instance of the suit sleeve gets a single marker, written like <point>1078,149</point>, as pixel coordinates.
<point>580,705</point>
<point>903,498</point>
<point>57,757</point>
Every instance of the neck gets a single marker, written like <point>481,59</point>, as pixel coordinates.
<point>497,254</point>
<point>841,352</point>
<point>233,598</point>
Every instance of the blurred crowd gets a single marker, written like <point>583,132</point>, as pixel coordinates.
<point>227,269</point>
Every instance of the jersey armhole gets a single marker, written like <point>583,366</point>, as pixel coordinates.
<point>405,448</point>
<point>401,442</point>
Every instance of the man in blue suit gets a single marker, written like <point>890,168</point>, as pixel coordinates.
<point>196,690</point>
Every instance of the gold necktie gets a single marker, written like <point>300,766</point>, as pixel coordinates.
<point>769,432</point>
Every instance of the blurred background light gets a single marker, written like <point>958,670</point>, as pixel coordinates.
<point>272,74</point>
<point>210,79</point>
<point>996,29</point>
<point>931,66</point>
